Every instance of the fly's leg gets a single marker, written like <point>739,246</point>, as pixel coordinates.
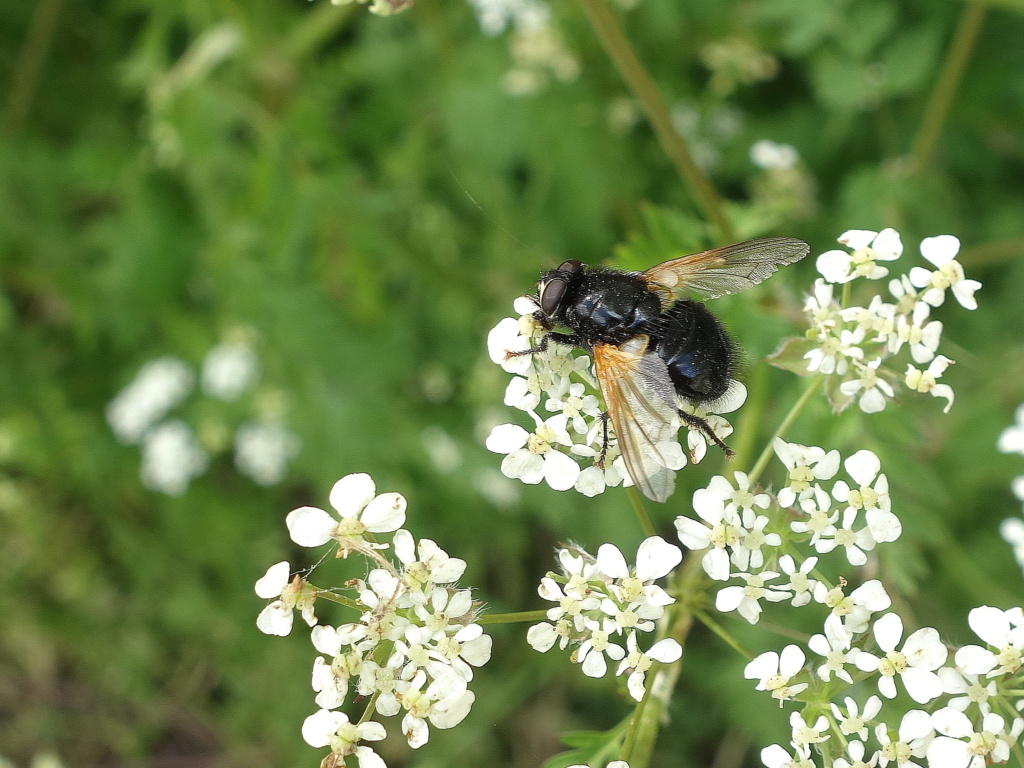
<point>705,428</point>
<point>604,441</point>
<point>569,340</point>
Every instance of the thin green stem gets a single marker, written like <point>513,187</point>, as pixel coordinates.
<point>964,40</point>
<point>316,27</point>
<point>512,618</point>
<point>324,594</point>
<point>640,82</point>
<point>719,630</point>
<point>370,705</point>
<point>641,511</point>
<point>787,422</point>
<point>28,66</point>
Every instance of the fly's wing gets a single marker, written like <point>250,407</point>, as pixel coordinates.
<point>640,415</point>
<point>731,269</point>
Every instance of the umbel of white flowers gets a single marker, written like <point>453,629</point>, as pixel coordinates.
<point>407,608</point>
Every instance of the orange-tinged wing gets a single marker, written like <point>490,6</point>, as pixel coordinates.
<point>641,418</point>
<point>731,269</point>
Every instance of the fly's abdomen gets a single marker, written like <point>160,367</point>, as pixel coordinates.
<point>698,352</point>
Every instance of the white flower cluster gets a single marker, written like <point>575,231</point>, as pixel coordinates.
<point>561,382</point>
<point>1012,441</point>
<point>380,7</point>
<point>535,44</point>
<point>173,454</point>
<point>415,642</point>
<point>602,606</point>
<point>962,728</point>
<point>853,345</point>
<point>735,533</point>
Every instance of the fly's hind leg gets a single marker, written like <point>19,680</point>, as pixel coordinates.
<point>599,463</point>
<point>705,428</point>
<point>569,340</point>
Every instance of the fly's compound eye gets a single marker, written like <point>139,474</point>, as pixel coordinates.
<point>570,265</point>
<point>551,295</point>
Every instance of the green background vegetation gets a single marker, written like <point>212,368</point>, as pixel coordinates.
<point>363,193</point>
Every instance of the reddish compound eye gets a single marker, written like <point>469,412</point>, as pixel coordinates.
<point>551,295</point>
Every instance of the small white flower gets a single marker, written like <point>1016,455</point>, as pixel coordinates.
<point>941,251</point>
<point>360,511</point>
<point>746,600</point>
<point>159,386</point>
<point>804,734</point>
<point>923,337</point>
<point>834,353</point>
<point>774,671</point>
<point>924,381</point>
<point>855,752</point>
<point>874,390</point>
<point>506,338</point>
<point>775,756</point>
<point>276,618</point>
<point>171,458</point>
<point>533,456</point>
<point>1011,439</point>
<point>855,721</point>
<point>871,495</point>
<point>970,687</point>
<point>807,465</point>
<point>719,531</point>
<point>665,651</point>
<point>915,664</point>
<point>1002,630</point>
<point>913,737</point>
<point>800,584</point>
<point>834,647</point>
<point>960,746</point>
<point>868,248</point>
<point>228,370</point>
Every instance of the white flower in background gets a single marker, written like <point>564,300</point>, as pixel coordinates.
<point>773,671</point>
<point>873,389</point>
<point>803,734</point>
<point>941,251</point>
<point>924,381</point>
<point>776,756</point>
<point>171,458</point>
<point>872,496</point>
<point>360,511</point>
<point>855,721</point>
<point>922,337</point>
<point>228,370</point>
<point>262,452</point>
<point>834,353</point>
<point>970,689</point>
<point>914,735</point>
<point>1011,439</point>
<point>1012,531</point>
<point>921,655</point>
<point>854,757</point>
<point>800,584</point>
<point>771,155</point>
<point>638,662</point>
<point>276,618</point>
<point>746,599</point>
<point>807,465</point>
<point>834,647</point>
<point>612,764</point>
<point>958,745</point>
<point>868,248</point>
<point>1002,630</point>
<point>159,386</point>
<point>720,531</point>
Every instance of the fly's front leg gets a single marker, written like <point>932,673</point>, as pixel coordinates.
<point>705,428</point>
<point>568,339</point>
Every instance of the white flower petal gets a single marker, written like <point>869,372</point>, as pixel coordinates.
<point>274,580</point>
<point>310,526</point>
<point>353,492</point>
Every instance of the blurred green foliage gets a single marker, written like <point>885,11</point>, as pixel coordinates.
<point>364,195</point>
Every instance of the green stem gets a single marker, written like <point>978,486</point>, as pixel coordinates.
<point>324,594</point>
<point>787,422</point>
<point>945,89</point>
<point>641,511</point>
<point>316,27</point>
<point>719,630</point>
<point>621,52</point>
<point>512,618</point>
<point>28,65</point>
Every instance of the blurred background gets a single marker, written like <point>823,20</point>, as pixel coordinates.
<point>250,246</point>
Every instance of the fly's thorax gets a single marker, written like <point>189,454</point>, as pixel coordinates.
<point>609,307</point>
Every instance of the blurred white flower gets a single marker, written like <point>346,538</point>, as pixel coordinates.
<point>171,458</point>
<point>228,370</point>
<point>771,155</point>
<point>262,452</point>
<point>159,386</point>
<point>1011,439</point>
